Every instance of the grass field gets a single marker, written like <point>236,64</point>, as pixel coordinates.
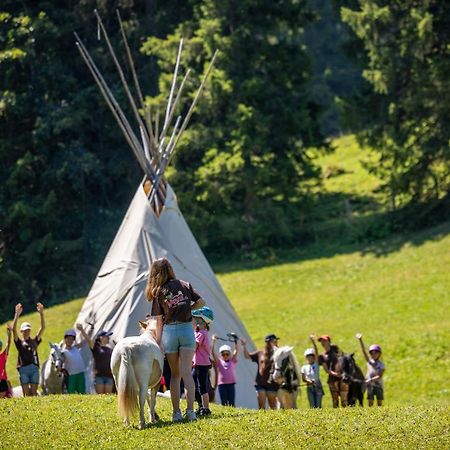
<point>91,422</point>
<point>395,291</point>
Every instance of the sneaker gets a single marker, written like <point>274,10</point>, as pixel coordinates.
<point>190,415</point>
<point>177,416</point>
<point>205,412</point>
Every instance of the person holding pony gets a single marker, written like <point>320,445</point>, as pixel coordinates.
<point>266,388</point>
<point>329,360</point>
<point>226,371</point>
<point>375,371</point>
<point>5,387</point>
<point>201,363</point>
<point>101,352</point>
<point>28,359</point>
<point>311,376</point>
<point>172,304</point>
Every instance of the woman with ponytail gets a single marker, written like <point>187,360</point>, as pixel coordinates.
<point>172,303</point>
<point>266,388</point>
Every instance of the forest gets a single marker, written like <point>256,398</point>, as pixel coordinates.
<point>292,76</point>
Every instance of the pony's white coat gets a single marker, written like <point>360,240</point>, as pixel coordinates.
<point>51,379</point>
<point>288,400</point>
<point>137,365</point>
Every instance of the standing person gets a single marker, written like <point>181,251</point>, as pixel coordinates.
<point>172,302</point>
<point>266,388</point>
<point>73,364</point>
<point>311,376</point>
<point>201,361</point>
<point>375,371</point>
<point>101,352</point>
<point>5,388</point>
<point>226,371</point>
<point>329,360</point>
<point>28,359</point>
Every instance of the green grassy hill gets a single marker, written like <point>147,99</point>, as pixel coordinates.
<point>395,291</point>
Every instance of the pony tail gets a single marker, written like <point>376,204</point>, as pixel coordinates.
<point>127,402</point>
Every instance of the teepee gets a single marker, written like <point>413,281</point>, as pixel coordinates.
<point>154,226</point>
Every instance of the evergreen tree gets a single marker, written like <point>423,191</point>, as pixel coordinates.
<point>240,171</point>
<point>404,113</point>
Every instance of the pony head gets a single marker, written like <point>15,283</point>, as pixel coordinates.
<point>149,325</point>
<point>56,356</point>
<point>281,358</point>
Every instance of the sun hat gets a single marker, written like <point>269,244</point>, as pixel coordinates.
<point>70,332</point>
<point>271,337</point>
<point>25,326</point>
<point>225,348</point>
<point>104,333</point>
<point>325,337</point>
<point>374,348</point>
<point>309,351</point>
<point>204,313</point>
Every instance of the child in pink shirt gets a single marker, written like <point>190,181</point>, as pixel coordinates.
<point>201,362</point>
<point>226,370</point>
<point>5,388</point>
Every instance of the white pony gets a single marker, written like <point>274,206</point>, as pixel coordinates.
<point>287,375</point>
<point>51,377</point>
<point>137,365</point>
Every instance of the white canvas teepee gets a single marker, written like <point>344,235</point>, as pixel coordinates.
<point>154,227</point>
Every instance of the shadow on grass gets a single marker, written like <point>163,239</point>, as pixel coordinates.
<point>327,248</point>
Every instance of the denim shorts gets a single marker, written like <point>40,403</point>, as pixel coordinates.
<point>178,336</point>
<point>259,388</point>
<point>29,374</point>
<point>104,380</point>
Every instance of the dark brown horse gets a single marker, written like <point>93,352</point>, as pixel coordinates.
<point>353,376</point>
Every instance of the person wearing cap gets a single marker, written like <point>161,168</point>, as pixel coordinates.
<point>172,303</point>
<point>101,352</point>
<point>311,376</point>
<point>5,386</point>
<point>375,371</point>
<point>201,362</point>
<point>28,359</point>
<point>226,371</point>
<point>329,360</point>
<point>266,388</point>
<point>73,364</point>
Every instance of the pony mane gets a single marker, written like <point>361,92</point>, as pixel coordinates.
<point>286,349</point>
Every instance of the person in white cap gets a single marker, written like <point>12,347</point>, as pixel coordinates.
<point>226,370</point>
<point>311,376</point>
<point>73,364</point>
<point>28,359</point>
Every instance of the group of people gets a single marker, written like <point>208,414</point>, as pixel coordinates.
<point>73,365</point>
<point>182,332</point>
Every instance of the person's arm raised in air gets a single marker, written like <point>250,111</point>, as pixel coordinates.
<point>86,337</point>
<point>213,347</point>
<point>40,309</point>
<point>312,338</point>
<point>244,347</point>
<point>363,347</point>
<point>17,312</point>
<point>236,351</point>
<point>8,334</point>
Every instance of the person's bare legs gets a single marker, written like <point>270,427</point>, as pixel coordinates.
<point>186,373</point>
<point>272,399</point>
<point>108,388</point>
<point>261,395</point>
<point>174,363</point>
<point>33,389</point>
<point>99,388</point>
<point>26,390</point>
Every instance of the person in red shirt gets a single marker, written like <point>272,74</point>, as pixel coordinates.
<point>5,387</point>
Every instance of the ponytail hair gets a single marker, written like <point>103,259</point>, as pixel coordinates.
<point>268,353</point>
<point>160,273</point>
